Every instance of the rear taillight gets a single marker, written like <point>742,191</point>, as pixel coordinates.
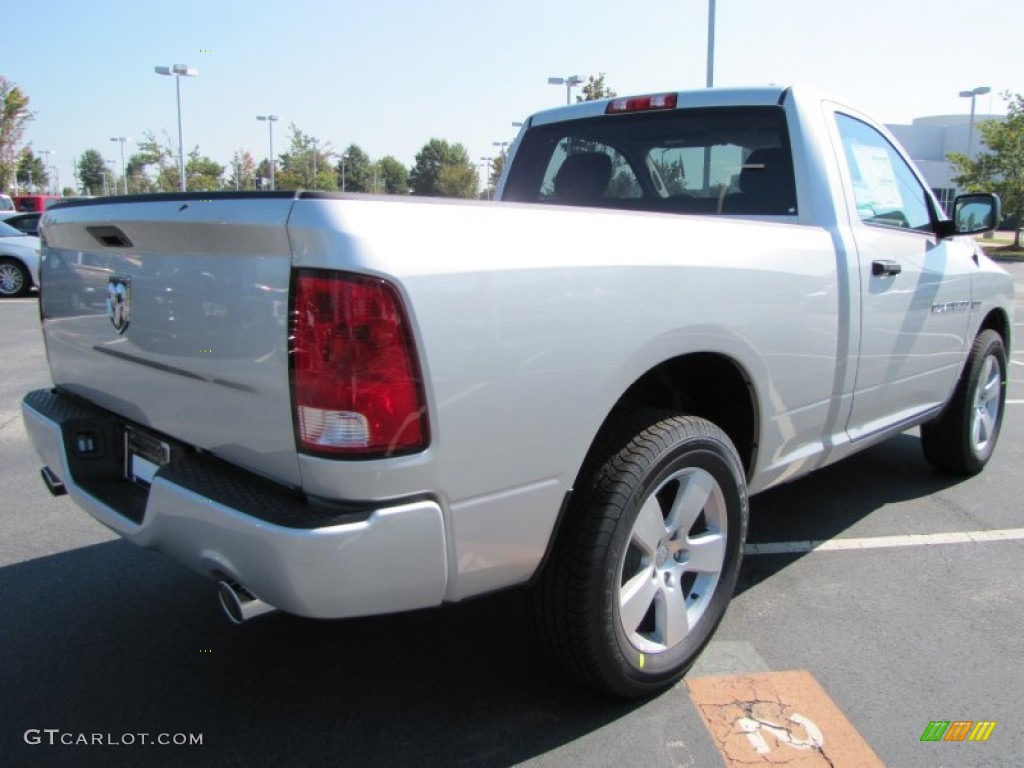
<point>356,382</point>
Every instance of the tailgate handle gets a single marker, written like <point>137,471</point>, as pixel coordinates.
<point>885,268</point>
<point>110,236</point>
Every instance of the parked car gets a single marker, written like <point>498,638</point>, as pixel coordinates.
<point>19,261</point>
<point>6,203</point>
<point>24,222</point>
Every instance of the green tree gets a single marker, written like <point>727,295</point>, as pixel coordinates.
<point>159,159</point>
<point>358,172</point>
<point>306,164</point>
<point>595,89</point>
<point>135,170</point>
<point>91,172</point>
<point>14,116</point>
<point>443,170</point>
<point>394,176</point>
<point>243,171</point>
<point>202,173</point>
<point>262,174</point>
<point>32,171</point>
<point>1002,169</point>
<point>497,165</point>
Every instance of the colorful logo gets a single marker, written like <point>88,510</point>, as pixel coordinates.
<point>958,730</point>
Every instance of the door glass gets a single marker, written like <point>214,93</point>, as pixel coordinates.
<point>887,192</point>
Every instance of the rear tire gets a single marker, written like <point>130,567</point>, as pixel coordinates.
<point>648,556</point>
<point>962,440</point>
<point>14,278</point>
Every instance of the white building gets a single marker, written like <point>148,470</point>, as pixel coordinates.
<point>929,140</point>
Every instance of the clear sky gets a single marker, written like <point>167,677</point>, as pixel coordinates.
<point>389,75</point>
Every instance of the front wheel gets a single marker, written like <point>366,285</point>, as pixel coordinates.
<point>648,556</point>
<point>14,278</point>
<point>962,440</point>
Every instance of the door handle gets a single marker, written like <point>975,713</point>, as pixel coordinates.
<point>885,268</point>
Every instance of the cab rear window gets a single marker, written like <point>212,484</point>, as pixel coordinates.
<point>728,161</point>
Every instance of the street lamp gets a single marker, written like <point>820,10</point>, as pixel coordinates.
<point>314,142</point>
<point>569,83</point>
<point>344,159</point>
<point>113,176</point>
<point>972,94</point>
<point>501,146</point>
<point>179,71</point>
<point>270,120</point>
<point>124,171</point>
<point>46,167</point>
<point>711,43</point>
<point>487,176</point>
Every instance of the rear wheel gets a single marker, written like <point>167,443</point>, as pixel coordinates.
<point>647,557</point>
<point>962,440</point>
<point>14,278</point>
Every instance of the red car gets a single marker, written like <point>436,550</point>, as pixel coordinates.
<point>34,203</point>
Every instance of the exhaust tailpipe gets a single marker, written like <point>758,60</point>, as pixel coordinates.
<point>239,604</point>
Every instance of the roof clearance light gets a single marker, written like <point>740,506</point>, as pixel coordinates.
<point>641,103</point>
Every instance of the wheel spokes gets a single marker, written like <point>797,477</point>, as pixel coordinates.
<point>691,498</point>
<point>649,529</point>
<point>707,553</point>
<point>635,598</point>
<point>671,622</point>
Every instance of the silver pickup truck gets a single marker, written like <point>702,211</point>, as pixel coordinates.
<point>341,405</point>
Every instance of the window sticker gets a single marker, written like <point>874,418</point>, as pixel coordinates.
<point>878,187</point>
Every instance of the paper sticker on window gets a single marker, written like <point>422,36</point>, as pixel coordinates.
<point>877,187</point>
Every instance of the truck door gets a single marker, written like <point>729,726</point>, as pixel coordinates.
<point>915,289</point>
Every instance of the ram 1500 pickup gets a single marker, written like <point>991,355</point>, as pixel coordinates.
<point>342,405</point>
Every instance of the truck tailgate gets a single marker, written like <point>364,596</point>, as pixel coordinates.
<point>172,313</point>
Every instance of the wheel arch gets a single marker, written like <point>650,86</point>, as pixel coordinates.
<point>710,385</point>
<point>997,320</point>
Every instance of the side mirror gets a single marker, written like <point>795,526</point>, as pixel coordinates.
<point>976,213</point>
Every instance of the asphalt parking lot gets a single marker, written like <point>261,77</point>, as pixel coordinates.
<point>881,632</point>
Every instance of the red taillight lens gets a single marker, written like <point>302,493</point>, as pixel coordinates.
<point>356,380</point>
<point>641,103</point>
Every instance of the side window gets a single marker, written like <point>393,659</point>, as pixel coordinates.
<point>582,172</point>
<point>886,190</point>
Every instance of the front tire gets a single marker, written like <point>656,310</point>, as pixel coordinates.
<point>963,439</point>
<point>14,278</point>
<point>648,556</point>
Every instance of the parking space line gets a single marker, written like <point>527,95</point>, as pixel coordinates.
<point>883,542</point>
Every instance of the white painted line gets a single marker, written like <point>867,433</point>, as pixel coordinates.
<point>1015,402</point>
<point>883,542</point>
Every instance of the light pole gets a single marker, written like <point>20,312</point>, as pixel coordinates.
<point>711,43</point>
<point>314,142</point>
<point>179,71</point>
<point>569,82</point>
<point>124,170</point>
<point>344,159</point>
<point>501,146</point>
<point>270,120</point>
<point>46,167</point>
<point>487,176</point>
<point>972,95</point>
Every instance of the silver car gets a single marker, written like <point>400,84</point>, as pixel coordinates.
<point>19,261</point>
